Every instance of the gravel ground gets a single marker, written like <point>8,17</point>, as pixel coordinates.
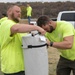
<point>53,57</point>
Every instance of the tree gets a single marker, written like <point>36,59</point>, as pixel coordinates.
<point>23,8</point>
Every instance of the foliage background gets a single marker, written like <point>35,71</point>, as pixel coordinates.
<point>47,8</point>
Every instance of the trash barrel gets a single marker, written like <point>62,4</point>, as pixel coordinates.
<point>35,55</point>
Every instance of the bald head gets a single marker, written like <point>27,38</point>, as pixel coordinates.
<point>14,13</point>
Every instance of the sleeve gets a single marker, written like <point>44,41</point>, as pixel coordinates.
<point>5,32</point>
<point>68,30</point>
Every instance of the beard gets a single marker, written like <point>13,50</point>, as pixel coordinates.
<point>14,19</point>
<point>51,29</point>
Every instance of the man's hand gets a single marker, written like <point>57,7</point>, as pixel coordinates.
<point>41,30</point>
<point>48,42</point>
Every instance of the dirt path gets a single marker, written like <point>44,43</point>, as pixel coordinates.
<point>53,56</point>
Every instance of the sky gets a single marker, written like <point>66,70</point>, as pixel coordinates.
<point>34,0</point>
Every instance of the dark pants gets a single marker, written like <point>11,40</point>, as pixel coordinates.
<point>18,73</point>
<point>65,66</point>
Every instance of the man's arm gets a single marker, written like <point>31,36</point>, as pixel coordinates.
<point>65,44</point>
<point>22,28</point>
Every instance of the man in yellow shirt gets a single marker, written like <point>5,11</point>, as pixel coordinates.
<point>2,19</point>
<point>12,62</point>
<point>61,35</point>
<point>29,13</point>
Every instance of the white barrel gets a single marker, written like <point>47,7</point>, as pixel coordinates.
<point>35,59</point>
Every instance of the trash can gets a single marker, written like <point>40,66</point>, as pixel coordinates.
<point>35,55</point>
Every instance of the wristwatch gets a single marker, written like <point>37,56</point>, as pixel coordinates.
<point>51,43</point>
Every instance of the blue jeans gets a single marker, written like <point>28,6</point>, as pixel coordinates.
<point>29,19</point>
